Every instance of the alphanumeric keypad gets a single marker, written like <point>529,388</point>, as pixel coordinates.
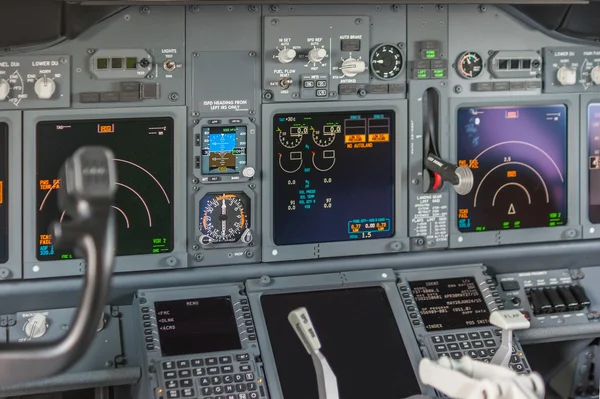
<point>211,377</point>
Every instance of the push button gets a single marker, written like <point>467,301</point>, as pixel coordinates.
<point>511,285</point>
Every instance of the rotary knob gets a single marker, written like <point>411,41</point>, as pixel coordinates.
<point>566,76</point>
<point>352,67</point>
<point>317,54</point>
<point>36,326</point>
<point>44,88</point>
<point>596,75</point>
<point>4,89</point>
<point>248,172</point>
<point>286,55</point>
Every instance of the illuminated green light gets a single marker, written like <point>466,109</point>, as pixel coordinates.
<point>439,73</point>
<point>506,225</point>
<point>553,216</point>
<point>429,54</point>
<point>422,73</point>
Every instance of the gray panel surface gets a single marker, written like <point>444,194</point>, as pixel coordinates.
<point>376,278</point>
<point>572,229</point>
<point>159,30</point>
<point>397,243</point>
<point>177,258</point>
<point>12,269</point>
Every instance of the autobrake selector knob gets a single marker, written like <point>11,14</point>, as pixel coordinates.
<point>566,76</point>
<point>44,88</point>
<point>286,55</point>
<point>317,54</point>
<point>36,326</point>
<point>352,67</point>
<point>4,89</point>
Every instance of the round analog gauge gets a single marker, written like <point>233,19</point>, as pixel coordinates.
<point>224,217</point>
<point>326,136</point>
<point>469,65</point>
<point>292,138</point>
<point>386,61</point>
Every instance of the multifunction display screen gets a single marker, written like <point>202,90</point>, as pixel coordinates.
<point>196,326</point>
<point>594,162</point>
<point>518,156</point>
<point>333,176</point>
<point>3,192</point>
<point>450,303</point>
<point>359,337</point>
<point>143,150</point>
<point>223,149</point>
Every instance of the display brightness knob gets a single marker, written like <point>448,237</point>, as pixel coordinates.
<point>44,88</point>
<point>36,326</point>
<point>566,76</point>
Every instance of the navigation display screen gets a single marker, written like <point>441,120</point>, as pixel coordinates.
<point>196,326</point>
<point>518,156</point>
<point>3,192</point>
<point>143,150</point>
<point>333,176</point>
<point>359,337</point>
<point>593,130</point>
<point>450,303</point>
<point>223,149</point>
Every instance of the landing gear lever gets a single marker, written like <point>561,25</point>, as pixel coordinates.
<point>86,194</point>
<point>460,177</point>
<point>507,320</point>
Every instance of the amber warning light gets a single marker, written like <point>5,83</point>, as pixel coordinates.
<point>106,129</point>
<point>512,114</point>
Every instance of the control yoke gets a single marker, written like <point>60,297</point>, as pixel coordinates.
<point>86,194</point>
<point>507,320</point>
<point>326,380</point>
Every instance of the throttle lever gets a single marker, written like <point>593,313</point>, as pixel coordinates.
<point>460,177</point>
<point>86,194</point>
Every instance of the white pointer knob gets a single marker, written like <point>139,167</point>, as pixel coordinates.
<point>317,54</point>
<point>44,88</point>
<point>286,55</point>
<point>596,75</point>
<point>248,172</point>
<point>352,67</point>
<point>567,76</point>
<point>4,89</point>
<point>36,326</point>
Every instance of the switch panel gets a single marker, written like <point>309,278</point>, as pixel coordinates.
<point>571,69</point>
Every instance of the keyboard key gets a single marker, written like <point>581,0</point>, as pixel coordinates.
<point>474,335</point>
<point>215,380</point>
<point>437,339</point>
<point>456,355</point>
<point>250,330</point>
<point>173,384</point>
<point>212,370</point>
<point>514,350</point>
<point>249,376</point>
<point>187,383</point>
<point>252,337</point>
<point>242,396</point>
<point>188,393</point>
<point>229,389</point>
<point>211,361</point>
<point>146,317</point>
<point>225,359</point>
<point>150,347</point>
<point>490,343</point>
<point>518,367</point>
<point>247,315</point>
<point>207,391</point>
<point>453,347</point>
<point>248,323</point>
<point>486,334</point>
<point>497,332</point>
<point>199,372</point>
<point>204,381</point>
<point>477,344</point>
<point>169,375</point>
<point>184,373</point>
<point>245,368</point>
<point>515,359</point>
<point>450,338</point>
<point>482,353</point>
<point>251,386</point>
<point>242,357</point>
<point>492,351</point>
<point>183,364</point>
<point>168,365</point>
<point>441,355</point>
<point>253,395</point>
<point>145,310</point>
<point>226,369</point>
<point>227,379</point>
<point>472,354</point>
<point>173,394</point>
<point>197,362</point>
<point>245,308</point>
<point>238,378</point>
<point>218,390</point>
<point>465,345</point>
<point>244,301</point>
<point>147,324</point>
<point>440,348</point>
<point>231,397</point>
<point>462,337</point>
<point>240,387</point>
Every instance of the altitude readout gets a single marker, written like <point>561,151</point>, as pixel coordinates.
<point>224,218</point>
<point>450,303</point>
<point>518,156</point>
<point>3,193</point>
<point>386,61</point>
<point>593,130</point>
<point>223,149</point>
<point>143,205</point>
<point>469,65</point>
<point>328,182</point>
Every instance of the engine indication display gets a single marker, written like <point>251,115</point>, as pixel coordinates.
<point>223,149</point>
<point>333,176</point>
<point>3,193</point>
<point>593,130</point>
<point>518,156</point>
<point>225,218</point>
<point>143,151</point>
<point>450,303</point>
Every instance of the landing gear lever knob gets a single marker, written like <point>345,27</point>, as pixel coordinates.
<point>460,177</point>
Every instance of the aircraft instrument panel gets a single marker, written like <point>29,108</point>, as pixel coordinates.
<point>143,151</point>
<point>4,165</point>
<point>333,177</point>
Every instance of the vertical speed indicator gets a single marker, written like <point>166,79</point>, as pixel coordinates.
<point>386,61</point>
